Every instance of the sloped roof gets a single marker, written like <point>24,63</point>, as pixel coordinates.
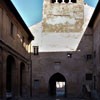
<point>95,14</point>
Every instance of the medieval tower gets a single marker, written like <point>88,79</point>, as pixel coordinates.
<point>63,15</point>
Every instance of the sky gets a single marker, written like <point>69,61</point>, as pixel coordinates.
<point>31,10</point>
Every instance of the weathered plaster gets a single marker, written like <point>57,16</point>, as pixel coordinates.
<point>63,17</point>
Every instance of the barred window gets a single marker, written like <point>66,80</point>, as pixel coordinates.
<point>36,50</point>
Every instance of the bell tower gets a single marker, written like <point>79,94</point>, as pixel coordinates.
<point>63,15</point>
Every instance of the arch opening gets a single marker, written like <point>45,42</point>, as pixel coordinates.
<point>57,85</point>
<point>60,1</point>
<point>66,1</point>
<point>22,78</point>
<point>10,64</point>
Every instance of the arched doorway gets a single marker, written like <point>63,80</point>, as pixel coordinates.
<point>57,85</point>
<point>22,79</point>
<point>10,65</point>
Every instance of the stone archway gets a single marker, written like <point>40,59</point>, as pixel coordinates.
<point>10,66</point>
<point>22,79</point>
<point>57,85</point>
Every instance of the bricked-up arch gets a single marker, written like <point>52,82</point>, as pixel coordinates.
<point>53,1</point>
<point>57,77</point>
<point>22,78</point>
<point>10,66</point>
<point>73,1</point>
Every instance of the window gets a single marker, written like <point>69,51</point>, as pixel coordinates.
<point>53,1</point>
<point>66,1</point>
<point>89,76</point>
<point>23,40</point>
<point>60,1</point>
<point>69,55</point>
<point>35,50</point>
<point>88,57</point>
<point>73,1</point>
<point>11,29</point>
<point>36,84</point>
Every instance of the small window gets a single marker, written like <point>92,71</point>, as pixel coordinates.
<point>89,76</point>
<point>88,56</point>
<point>35,50</point>
<point>53,1</point>
<point>69,55</point>
<point>11,29</point>
<point>36,84</point>
<point>23,40</point>
<point>73,1</point>
<point>60,1</point>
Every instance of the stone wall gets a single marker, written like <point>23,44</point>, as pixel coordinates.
<point>0,71</point>
<point>96,34</point>
<point>16,39</point>
<point>14,43</point>
<point>73,69</point>
<point>0,22</point>
<point>63,17</point>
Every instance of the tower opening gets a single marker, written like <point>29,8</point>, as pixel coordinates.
<point>60,1</point>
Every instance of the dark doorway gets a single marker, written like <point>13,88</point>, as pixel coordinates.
<point>57,85</point>
<point>9,75</point>
<point>22,78</point>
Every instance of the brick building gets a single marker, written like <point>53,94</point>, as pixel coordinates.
<point>15,61</point>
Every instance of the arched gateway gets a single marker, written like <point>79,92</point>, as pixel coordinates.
<point>57,85</point>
